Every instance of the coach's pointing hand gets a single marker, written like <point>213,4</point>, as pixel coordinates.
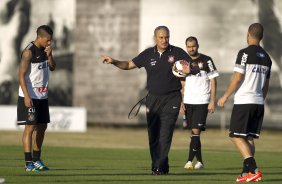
<point>107,59</point>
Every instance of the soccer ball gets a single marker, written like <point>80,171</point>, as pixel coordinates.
<point>177,66</point>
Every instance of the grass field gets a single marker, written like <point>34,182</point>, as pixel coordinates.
<point>107,155</point>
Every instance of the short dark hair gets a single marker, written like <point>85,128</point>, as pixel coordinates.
<point>192,38</point>
<point>159,28</point>
<point>256,31</point>
<point>45,28</point>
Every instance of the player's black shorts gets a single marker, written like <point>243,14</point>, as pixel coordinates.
<point>39,113</point>
<point>196,116</point>
<point>246,120</point>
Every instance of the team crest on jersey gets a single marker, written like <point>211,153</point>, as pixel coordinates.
<point>153,63</point>
<point>171,59</point>
<point>201,65</point>
<point>31,117</point>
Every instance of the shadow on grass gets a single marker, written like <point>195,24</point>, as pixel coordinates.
<point>272,180</point>
<point>38,174</point>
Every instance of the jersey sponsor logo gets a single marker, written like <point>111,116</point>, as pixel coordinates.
<point>37,57</point>
<point>210,65</point>
<point>259,69</point>
<point>261,55</point>
<point>201,65</point>
<point>42,89</point>
<point>199,74</point>
<point>195,75</point>
<point>42,66</point>
<point>170,59</point>
<point>244,59</point>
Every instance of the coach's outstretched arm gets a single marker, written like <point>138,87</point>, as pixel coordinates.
<point>124,65</point>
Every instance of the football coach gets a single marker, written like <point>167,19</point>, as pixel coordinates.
<point>164,96</point>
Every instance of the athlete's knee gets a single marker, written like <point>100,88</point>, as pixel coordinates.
<point>196,131</point>
<point>233,139</point>
<point>29,129</point>
<point>250,139</point>
<point>41,127</point>
<point>237,140</point>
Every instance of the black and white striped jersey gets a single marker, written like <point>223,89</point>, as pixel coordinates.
<point>37,75</point>
<point>255,64</point>
<point>197,87</point>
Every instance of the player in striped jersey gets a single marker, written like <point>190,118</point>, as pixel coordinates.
<point>250,84</point>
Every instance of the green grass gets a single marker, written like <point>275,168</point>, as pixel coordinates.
<point>113,166</point>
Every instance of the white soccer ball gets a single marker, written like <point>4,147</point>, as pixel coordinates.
<point>177,66</point>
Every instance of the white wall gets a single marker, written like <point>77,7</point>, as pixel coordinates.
<point>63,119</point>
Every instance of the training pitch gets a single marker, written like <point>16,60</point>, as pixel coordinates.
<point>74,158</point>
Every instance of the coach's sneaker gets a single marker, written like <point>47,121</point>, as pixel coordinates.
<point>157,171</point>
<point>40,166</point>
<point>31,167</point>
<point>199,165</point>
<point>254,177</point>
<point>189,165</point>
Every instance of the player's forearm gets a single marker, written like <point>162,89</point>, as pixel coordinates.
<point>213,90</point>
<point>51,63</point>
<point>182,89</point>
<point>233,86</point>
<point>265,88</point>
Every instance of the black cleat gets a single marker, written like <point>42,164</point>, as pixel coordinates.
<point>157,171</point>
